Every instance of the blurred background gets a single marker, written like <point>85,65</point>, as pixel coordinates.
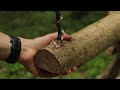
<point>32,24</point>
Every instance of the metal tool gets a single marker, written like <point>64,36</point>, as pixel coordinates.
<point>60,31</point>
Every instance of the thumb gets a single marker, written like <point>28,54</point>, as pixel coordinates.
<point>43,41</point>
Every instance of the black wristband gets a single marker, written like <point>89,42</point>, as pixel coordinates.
<point>15,50</point>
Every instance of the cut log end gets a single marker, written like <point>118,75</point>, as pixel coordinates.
<point>47,61</point>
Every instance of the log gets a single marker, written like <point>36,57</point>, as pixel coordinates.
<point>85,45</point>
<point>113,69</point>
<point>111,12</point>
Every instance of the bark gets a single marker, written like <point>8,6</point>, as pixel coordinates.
<point>111,12</point>
<point>85,45</point>
<point>113,69</point>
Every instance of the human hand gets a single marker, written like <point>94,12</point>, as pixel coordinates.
<point>29,49</point>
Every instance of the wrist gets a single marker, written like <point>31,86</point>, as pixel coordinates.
<point>25,46</point>
<point>15,50</point>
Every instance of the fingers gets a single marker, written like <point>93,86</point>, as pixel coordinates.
<point>110,51</point>
<point>74,68</point>
<point>67,37</point>
<point>53,36</point>
<point>71,70</point>
<point>43,41</point>
<point>44,74</point>
<point>68,71</point>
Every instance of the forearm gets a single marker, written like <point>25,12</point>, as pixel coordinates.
<point>5,46</point>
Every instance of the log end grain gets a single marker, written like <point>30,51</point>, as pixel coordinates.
<point>47,61</point>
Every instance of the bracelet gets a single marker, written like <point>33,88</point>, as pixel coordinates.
<point>15,50</point>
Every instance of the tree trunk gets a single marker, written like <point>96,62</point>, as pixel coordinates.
<point>85,45</point>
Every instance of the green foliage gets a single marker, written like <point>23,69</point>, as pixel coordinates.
<point>34,24</point>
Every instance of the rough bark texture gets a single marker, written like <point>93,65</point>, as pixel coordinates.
<point>111,12</point>
<point>85,45</point>
<point>113,69</point>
